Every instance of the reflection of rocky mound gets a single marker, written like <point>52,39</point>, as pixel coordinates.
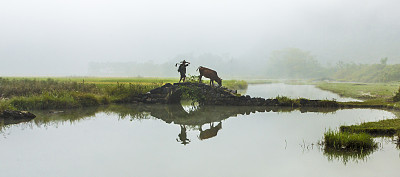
<point>208,114</point>
<point>15,117</point>
<point>203,115</point>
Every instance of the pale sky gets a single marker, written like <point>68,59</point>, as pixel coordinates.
<point>60,38</point>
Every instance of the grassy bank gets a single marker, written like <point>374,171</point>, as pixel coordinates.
<point>364,91</point>
<point>384,127</point>
<point>374,95</point>
<point>57,93</point>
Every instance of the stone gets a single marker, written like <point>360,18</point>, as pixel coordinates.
<point>156,90</point>
<point>171,94</point>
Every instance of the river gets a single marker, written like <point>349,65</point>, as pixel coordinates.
<point>175,140</point>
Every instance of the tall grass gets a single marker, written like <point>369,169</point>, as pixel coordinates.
<point>29,87</point>
<point>348,141</point>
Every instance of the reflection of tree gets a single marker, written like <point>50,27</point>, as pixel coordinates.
<point>5,123</point>
<point>128,111</point>
<point>50,118</point>
<point>346,156</point>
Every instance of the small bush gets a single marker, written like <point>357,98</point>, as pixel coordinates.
<point>192,79</point>
<point>86,99</point>
<point>193,93</point>
<point>5,105</point>
<point>396,97</point>
<point>104,100</point>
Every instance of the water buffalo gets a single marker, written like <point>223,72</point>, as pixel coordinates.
<point>211,74</point>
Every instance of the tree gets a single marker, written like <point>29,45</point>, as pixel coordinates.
<point>384,61</point>
<point>294,63</point>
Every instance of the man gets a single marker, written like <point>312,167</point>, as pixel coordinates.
<point>182,70</point>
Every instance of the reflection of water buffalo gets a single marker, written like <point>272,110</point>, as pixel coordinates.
<point>211,132</point>
<point>211,74</point>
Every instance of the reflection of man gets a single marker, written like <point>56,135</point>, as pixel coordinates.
<point>182,70</point>
<point>183,136</point>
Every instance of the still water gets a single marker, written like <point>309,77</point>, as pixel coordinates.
<point>293,91</point>
<point>171,140</point>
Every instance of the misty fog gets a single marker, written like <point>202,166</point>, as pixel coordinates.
<point>147,38</point>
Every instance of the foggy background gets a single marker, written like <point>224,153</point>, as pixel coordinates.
<point>147,38</point>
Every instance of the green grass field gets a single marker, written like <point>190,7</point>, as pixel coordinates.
<point>158,81</point>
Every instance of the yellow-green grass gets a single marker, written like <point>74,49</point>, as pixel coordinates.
<point>375,95</point>
<point>149,81</point>
<point>107,80</point>
<point>365,91</point>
